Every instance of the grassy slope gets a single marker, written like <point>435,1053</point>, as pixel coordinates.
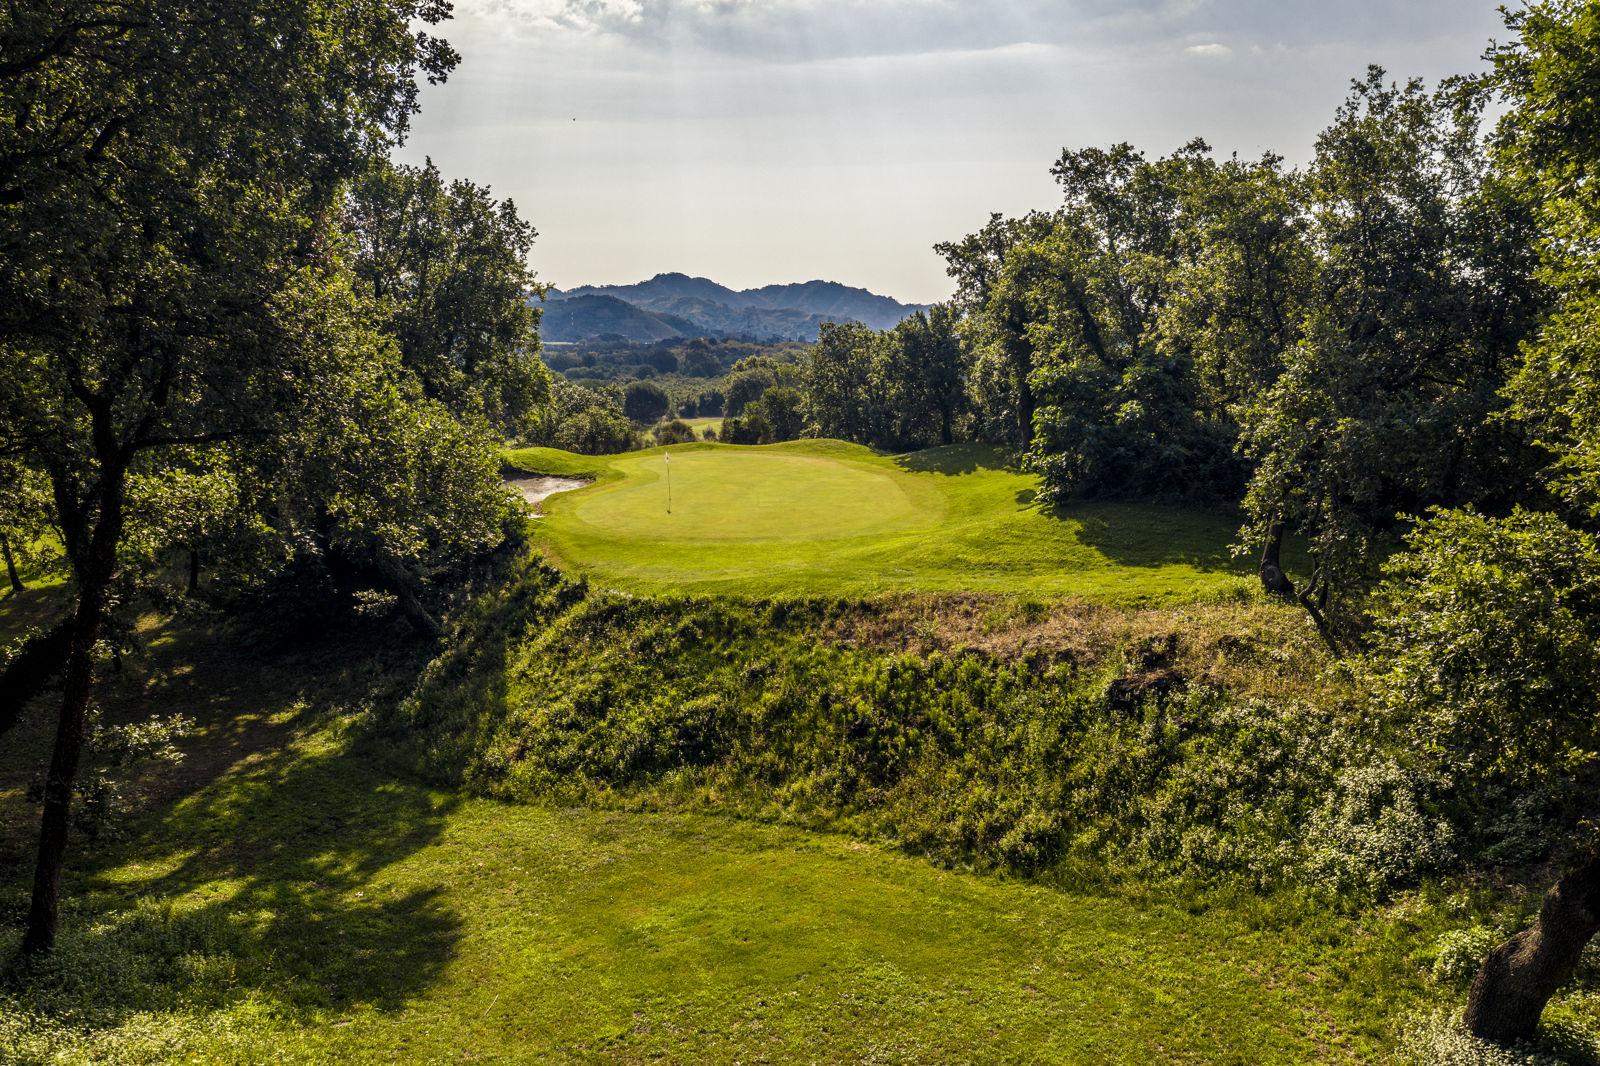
<point>288,897</point>
<point>38,603</point>
<point>823,517</point>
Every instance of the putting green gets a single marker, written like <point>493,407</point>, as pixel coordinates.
<point>830,518</point>
<point>740,494</point>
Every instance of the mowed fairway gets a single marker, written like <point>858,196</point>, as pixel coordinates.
<point>825,517</point>
<point>311,907</point>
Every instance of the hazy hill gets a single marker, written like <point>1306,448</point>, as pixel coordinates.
<point>591,316</point>
<point>774,312</point>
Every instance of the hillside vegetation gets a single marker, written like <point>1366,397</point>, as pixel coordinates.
<point>291,893</point>
<point>828,518</point>
<point>1183,644</point>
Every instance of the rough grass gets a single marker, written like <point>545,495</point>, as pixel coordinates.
<point>288,896</point>
<point>828,518</point>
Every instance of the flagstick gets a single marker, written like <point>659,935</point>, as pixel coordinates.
<point>667,459</point>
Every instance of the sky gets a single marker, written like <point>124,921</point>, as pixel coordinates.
<point>768,141</point>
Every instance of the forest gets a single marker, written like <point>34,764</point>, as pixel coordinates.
<point>1226,549</point>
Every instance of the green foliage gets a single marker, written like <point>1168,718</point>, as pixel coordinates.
<point>1329,344</point>
<point>554,693</point>
<point>645,403</point>
<point>927,370</point>
<point>1117,414</point>
<point>169,176</point>
<point>1377,826</point>
<point>899,389</point>
<point>449,266</point>
<point>26,514</point>
<point>1485,661</point>
<point>751,428</point>
<point>993,324</point>
<point>674,432</point>
<point>585,421</point>
<point>1459,953</point>
<point>840,384</point>
<point>779,414</point>
<point>1550,140</point>
<point>745,387</point>
<point>1389,403</point>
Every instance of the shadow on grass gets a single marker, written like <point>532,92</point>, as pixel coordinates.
<point>1149,535</point>
<point>265,883</point>
<point>952,460</point>
<point>36,606</point>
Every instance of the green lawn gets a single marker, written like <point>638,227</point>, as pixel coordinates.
<point>699,425</point>
<point>290,898</point>
<point>824,517</point>
<point>41,600</point>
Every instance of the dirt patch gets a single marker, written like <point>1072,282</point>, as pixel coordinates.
<point>1258,649</point>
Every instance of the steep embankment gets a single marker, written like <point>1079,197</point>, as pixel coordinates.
<point>287,896</point>
<point>1082,741</point>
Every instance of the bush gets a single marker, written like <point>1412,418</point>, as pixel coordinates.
<point>746,429</point>
<point>1376,829</point>
<point>596,432</point>
<point>781,410</point>
<point>710,404</point>
<point>645,402</point>
<point>746,387</point>
<point>1485,659</point>
<point>674,432</point>
<point>1439,1040</point>
<point>1459,954</point>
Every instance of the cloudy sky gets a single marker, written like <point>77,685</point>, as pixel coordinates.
<point>759,141</point>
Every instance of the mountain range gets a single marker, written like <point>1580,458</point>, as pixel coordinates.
<point>676,305</point>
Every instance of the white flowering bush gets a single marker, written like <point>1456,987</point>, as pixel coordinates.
<point>1438,1039</point>
<point>1459,953</point>
<point>1374,829</point>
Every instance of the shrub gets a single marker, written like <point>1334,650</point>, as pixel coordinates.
<point>1438,1039</point>
<point>1485,660</point>
<point>645,402</point>
<point>747,429</point>
<point>1459,953</point>
<point>674,432</point>
<point>781,410</point>
<point>1376,829</point>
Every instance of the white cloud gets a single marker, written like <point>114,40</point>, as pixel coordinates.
<point>763,140</point>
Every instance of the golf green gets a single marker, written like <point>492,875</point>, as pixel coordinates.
<point>825,517</point>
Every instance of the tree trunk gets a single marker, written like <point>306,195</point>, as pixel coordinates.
<point>99,564</point>
<point>1519,977</point>
<point>194,571</point>
<point>400,582</point>
<point>1273,579</point>
<point>1314,598</point>
<point>11,564</point>
<point>945,436</point>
